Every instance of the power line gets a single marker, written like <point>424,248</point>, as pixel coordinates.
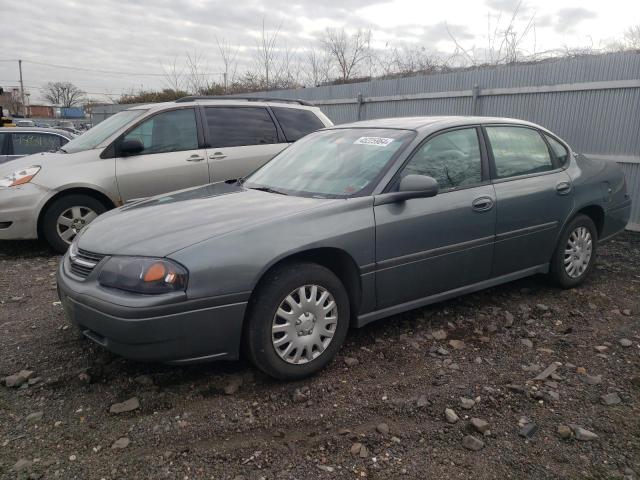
<point>112,72</point>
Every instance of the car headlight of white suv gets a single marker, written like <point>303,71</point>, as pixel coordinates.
<point>19,177</point>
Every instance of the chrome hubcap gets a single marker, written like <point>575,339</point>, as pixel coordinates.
<point>72,220</point>
<point>578,251</point>
<point>304,324</point>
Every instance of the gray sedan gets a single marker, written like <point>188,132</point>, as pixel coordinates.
<point>348,225</point>
<point>22,141</point>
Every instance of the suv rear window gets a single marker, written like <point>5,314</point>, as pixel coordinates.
<point>296,123</point>
<point>240,126</point>
<point>30,143</point>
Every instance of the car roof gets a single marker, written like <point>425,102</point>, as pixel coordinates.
<point>431,122</point>
<point>64,133</point>
<point>230,102</point>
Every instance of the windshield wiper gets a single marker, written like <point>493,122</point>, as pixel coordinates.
<point>62,150</point>
<point>268,189</point>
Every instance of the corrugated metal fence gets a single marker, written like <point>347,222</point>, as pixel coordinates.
<point>593,102</point>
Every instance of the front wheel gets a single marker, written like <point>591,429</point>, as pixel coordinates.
<point>66,216</point>
<point>575,253</point>
<point>297,321</point>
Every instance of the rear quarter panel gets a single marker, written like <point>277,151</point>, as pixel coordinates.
<point>601,183</point>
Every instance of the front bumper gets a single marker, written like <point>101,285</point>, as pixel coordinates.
<point>19,209</point>
<point>150,327</point>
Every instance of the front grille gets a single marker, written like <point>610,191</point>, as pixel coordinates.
<point>83,262</point>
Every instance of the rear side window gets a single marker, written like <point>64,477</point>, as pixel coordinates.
<point>559,150</point>
<point>296,123</point>
<point>518,151</point>
<point>240,126</point>
<point>30,143</point>
<point>451,158</point>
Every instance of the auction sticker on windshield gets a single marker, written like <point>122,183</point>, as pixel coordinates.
<point>377,141</point>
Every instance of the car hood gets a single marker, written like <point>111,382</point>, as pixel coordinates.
<point>161,225</point>
<point>45,159</point>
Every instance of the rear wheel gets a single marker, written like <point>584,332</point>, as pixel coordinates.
<point>575,253</point>
<point>297,321</point>
<point>66,216</point>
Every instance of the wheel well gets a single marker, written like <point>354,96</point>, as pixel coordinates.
<point>596,214</point>
<point>336,260</point>
<point>101,197</point>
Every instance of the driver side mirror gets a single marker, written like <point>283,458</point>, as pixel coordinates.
<point>131,146</point>
<point>411,186</point>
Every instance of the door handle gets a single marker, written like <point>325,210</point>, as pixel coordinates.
<point>563,188</point>
<point>217,156</point>
<point>195,158</point>
<point>482,204</point>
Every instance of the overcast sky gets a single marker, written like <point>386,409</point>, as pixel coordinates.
<point>140,36</point>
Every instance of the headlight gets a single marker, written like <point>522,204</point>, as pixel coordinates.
<point>19,177</point>
<point>143,275</point>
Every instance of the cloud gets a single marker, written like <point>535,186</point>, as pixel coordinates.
<point>567,19</point>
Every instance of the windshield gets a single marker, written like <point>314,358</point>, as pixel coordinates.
<point>336,163</point>
<point>98,134</point>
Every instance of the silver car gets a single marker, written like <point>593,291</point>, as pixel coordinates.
<point>144,151</point>
<point>22,141</point>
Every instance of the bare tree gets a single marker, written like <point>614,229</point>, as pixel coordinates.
<point>347,51</point>
<point>266,53</point>
<point>316,65</point>
<point>197,75</point>
<point>632,37</point>
<point>173,75</point>
<point>65,94</point>
<point>229,55</point>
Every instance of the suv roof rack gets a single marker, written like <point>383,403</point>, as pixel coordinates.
<point>193,98</point>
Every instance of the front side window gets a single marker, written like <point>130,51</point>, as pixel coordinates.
<point>336,163</point>
<point>451,158</point>
<point>518,151</point>
<point>559,150</point>
<point>172,131</point>
<point>296,122</point>
<point>240,126</point>
<point>30,143</point>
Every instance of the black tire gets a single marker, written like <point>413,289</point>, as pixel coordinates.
<point>271,292</point>
<point>60,205</point>
<point>558,271</point>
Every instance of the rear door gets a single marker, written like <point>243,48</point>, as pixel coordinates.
<point>171,160</point>
<point>240,139</point>
<point>534,195</point>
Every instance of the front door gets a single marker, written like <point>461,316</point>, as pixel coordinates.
<point>534,196</point>
<point>240,140</point>
<point>171,159</point>
<point>425,246</point>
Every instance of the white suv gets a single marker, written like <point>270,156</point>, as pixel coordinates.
<point>144,151</point>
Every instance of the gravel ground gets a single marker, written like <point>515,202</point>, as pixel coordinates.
<point>377,412</point>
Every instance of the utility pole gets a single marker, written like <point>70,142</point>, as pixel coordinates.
<point>24,111</point>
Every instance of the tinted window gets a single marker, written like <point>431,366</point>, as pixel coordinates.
<point>30,143</point>
<point>296,123</point>
<point>559,150</point>
<point>172,131</point>
<point>452,158</point>
<point>518,151</point>
<point>239,126</point>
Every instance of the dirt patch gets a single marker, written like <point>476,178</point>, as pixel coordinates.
<point>380,417</point>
